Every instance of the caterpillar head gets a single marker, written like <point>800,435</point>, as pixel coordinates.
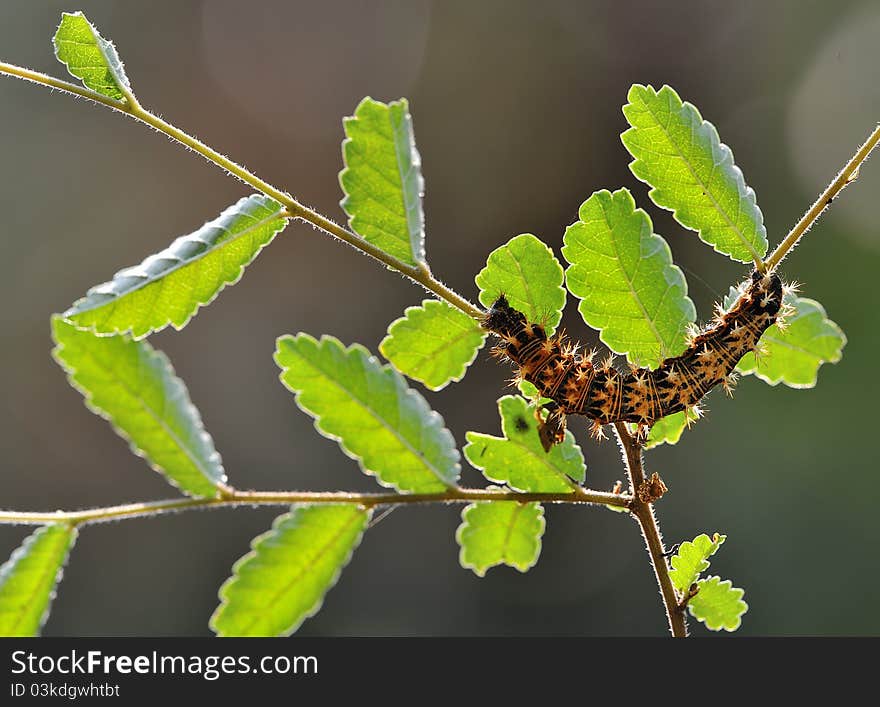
<point>503,319</point>
<point>766,291</point>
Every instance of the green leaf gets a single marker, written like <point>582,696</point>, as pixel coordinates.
<point>692,558</point>
<point>170,286</point>
<point>718,604</point>
<point>526,272</point>
<point>692,173</point>
<point>283,580</point>
<point>28,579</point>
<point>793,355</point>
<point>518,459</point>
<point>530,392</point>
<point>500,533</point>
<point>133,387</point>
<point>668,430</point>
<point>89,57</point>
<point>433,344</point>
<point>369,409</point>
<point>382,179</point>
<point>623,273</point>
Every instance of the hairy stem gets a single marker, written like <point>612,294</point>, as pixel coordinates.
<point>234,497</point>
<point>643,512</point>
<point>847,175</point>
<point>420,275</point>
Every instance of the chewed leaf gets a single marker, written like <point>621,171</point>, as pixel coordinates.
<point>433,344</point>
<point>794,354</point>
<point>527,273</point>
<point>623,273</point>
<point>283,580</point>
<point>382,179</point>
<point>500,533</point>
<point>134,388</point>
<point>170,286</point>
<point>518,459</point>
<point>28,579</point>
<point>692,173</point>
<point>692,559</point>
<point>668,430</point>
<point>369,409</point>
<point>718,604</point>
<point>89,57</point>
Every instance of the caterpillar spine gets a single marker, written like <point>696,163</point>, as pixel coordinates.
<point>604,394</point>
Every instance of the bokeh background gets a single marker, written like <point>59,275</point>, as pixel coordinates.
<point>517,115</point>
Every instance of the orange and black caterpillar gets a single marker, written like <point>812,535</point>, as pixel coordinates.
<point>576,386</point>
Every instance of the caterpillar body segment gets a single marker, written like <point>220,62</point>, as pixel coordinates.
<point>578,386</point>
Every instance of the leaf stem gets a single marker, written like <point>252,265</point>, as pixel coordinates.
<point>419,275</point>
<point>643,512</point>
<point>847,175</point>
<point>46,80</point>
<point>233,497</point>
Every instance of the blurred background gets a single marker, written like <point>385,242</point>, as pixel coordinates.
<point>516,108</point>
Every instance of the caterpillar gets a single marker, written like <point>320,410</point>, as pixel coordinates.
<point>575,385</point>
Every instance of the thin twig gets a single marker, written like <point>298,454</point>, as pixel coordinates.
<point>233,497</point>
<point>847,175</point>
<point>643,512</point>
<point>419,275</point>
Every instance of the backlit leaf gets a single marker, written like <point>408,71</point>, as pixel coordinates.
<point>692,172</point>
<point>718,604</point>
<point>283,580</point>
<point>794,354</point>
<point>500,533</point>
<point>433,343</point>
<point>170,286</point>
<point>624,276</point>
<point>518,459</point>
<point>382,179</point>
<point>28,579</point>
<point>134,388</point>
<point>369,409</point>
<point>89,57</point>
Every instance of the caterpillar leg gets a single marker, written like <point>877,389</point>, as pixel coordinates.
<point>597,431</point>
<point>641,433</point>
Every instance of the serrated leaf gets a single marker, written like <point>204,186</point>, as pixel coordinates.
<point>369,409</point>
<point>718,604</point>
<point>692,172</point>
<point>170,286</point>
<point>134,388</point>
<point>526,272</point>
<point>623,273</point>
<point>500,533</point>
<point>382,179</point>
<point>793,355</point>
<point>434,343</point>
<point>28,579</point>
<point>518,459</point>
<point>89,57</point>
<point>283,580</point>
<point>692,558</point>
<point>668,430</point>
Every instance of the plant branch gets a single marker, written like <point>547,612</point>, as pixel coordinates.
<point>846,176</point>
<point>233,497</point>
<point>643,512</point>
<point>420,275</point>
